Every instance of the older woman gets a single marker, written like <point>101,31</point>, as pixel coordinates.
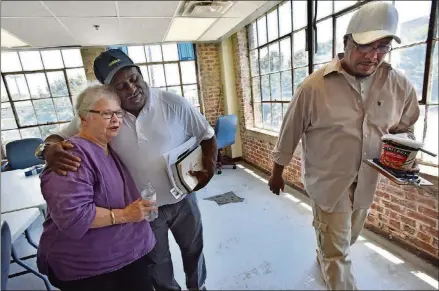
<point>95,236</point>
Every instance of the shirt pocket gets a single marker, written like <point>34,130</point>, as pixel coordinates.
<point>385,112</point>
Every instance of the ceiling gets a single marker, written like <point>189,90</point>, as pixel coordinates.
<point>73,23</point>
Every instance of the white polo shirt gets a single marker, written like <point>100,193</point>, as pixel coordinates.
<point>165,122</point>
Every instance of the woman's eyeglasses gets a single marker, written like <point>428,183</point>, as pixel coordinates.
<point>109,114</point>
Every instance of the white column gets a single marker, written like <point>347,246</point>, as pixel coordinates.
<point>229,90</point>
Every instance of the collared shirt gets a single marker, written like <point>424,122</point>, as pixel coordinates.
<point>165,122</point>
<point>339,129</point>
<point>361,85</point>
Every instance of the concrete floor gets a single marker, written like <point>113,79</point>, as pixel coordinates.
<point>267,242</point>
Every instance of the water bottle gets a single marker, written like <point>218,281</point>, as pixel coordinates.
<point>148,193</point>
<point>33,170</point>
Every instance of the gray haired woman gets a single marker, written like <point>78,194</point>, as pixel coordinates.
<point>95,236</point>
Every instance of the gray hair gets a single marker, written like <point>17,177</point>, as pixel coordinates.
<point>88,98</point>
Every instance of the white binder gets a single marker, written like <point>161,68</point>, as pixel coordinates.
<point>179,162</point>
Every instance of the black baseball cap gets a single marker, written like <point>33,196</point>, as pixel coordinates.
<point>108,63</point>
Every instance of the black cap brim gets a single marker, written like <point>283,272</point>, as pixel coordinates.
<point>114,71</point>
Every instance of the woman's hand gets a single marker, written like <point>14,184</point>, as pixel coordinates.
<point>138,210</point>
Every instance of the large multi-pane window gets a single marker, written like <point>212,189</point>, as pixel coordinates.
<point>410,57</point>
<point>416,56</point>
<point>169,66</point>
<point>279,62</point>
<point>37,90</point>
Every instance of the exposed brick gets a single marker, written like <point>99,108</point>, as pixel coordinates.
<point>410,204</point>
<point>423,246</point>
<point>89,54</point>
<point>409,229</point>
<point>408,221</point>
<point>425,237</point>
<point>382,195</point>
<point>410,196</point>
<point>428,202</point>
<point>377,208</point>
<point>435,242</point>
<point>428,211</point>
<point>393,206</point>
<point>395,224</point>
<point>371,219</point>
<point>428,229</point>
<point>386,212</point>
<point>395,190</point>
<point>421,217</point>
<point>395,215</point>
<point>210,80</point>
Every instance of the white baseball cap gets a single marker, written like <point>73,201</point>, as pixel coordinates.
<point>374,21</point>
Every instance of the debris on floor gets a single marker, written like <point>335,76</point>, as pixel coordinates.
<point>226,198</point>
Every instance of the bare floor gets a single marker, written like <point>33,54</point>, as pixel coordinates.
<point>267,242</point>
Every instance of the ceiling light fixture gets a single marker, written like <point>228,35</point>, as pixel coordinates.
<point>188,29</point>
<point>206,8</point>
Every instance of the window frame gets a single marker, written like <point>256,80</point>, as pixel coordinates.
<point>311,48</point>
<point>178,62</point>
<point>278,40</point>
<point>31,99</point>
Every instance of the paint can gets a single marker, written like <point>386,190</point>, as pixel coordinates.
<point>399,152</point>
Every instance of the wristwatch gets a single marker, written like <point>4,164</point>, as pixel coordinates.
<point>39,152</point>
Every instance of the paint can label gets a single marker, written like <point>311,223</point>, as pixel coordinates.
<point>397,157</point>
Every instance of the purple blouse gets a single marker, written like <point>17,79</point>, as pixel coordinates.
<point>68,245</point>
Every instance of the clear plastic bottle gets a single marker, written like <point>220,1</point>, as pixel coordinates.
<point>148,193</point>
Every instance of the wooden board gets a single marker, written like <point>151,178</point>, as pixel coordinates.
<point>420,182</point>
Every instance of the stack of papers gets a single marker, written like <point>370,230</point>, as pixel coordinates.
<point>179,162</point>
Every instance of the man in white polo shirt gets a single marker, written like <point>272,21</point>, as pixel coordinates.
<point>156,122</point>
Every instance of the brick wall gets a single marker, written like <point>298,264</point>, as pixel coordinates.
<point>404,214</point>
<point>88,56</point>
<point>209,74</point>
<point>407,215</point>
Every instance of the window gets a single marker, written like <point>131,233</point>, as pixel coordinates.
<point>279,62</point>
<point>37,90</point>
<point>410,58</point>
<point>332,20</point>
<point>280,54</point>
<point>170,67</point>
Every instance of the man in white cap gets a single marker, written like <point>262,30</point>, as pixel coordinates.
<point>340,112</point>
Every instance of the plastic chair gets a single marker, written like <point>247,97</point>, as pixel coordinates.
<point>21,153</point>
<point>6,252</point>
<point>225,131</point>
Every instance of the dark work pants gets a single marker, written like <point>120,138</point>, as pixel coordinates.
<point>184,221</point>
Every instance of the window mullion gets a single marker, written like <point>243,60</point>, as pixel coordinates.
<point>429,54</point>
<point>14,111</point>
<point>68,86</point>
<point>200,100</point>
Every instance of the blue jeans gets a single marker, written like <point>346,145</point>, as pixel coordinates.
<point>184,221</point>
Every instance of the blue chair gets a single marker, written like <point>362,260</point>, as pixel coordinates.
<point>225,132</point>
<point>21,153</point>
<point>6,253</point>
